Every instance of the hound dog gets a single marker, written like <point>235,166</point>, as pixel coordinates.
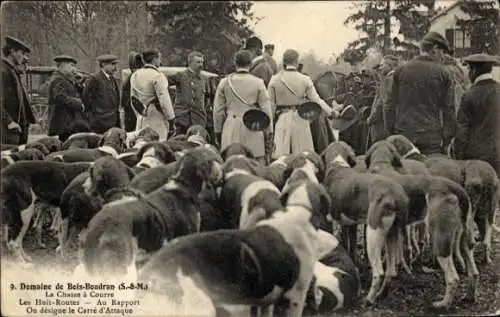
<point>336,281</point>
<point>482,185</point>
<point>23,184</point>
<point>438,165</point>
<point>305,165</point>
<point>52,143</point>
<point>105,182</point>
<point>240,267</point>
<point>82,140</point>
<point>447,214</point>
<point>236,149</point>
<point>275,172</point>
<point>136,139</point>
<point>29,154</point>
<point>362,198</point>
<point>112,143</point>
<point>31,145</point>
<point>459,171</point>
<point>169,212</point>
<point>243,194</point>
<point>153,155</point>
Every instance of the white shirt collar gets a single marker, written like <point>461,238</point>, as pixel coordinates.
<point>483,77</point>
<point>291,67</point>
<point>242,69</point>
<point>106,74</point>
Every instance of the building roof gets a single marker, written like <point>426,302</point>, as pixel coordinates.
<point>444,11</point>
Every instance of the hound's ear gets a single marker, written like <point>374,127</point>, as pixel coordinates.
<point>103,138</point>
<point>131,173</point>
<point>326,199</point>
<point>368,155</point>
<point>168,154</point>
<point>288,172</point>
<point>323,155</point>
<point>351,158</point>
<point>143,149</point>
<point>224,153</point>
<point>285,194</point>
<point>396,158</point>
<point>248,152</point>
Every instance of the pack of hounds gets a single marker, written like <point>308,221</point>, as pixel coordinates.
<point>247,234</point>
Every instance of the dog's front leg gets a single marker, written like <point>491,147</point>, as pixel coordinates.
<point>297,295</point>
<point>487,240</point>
<point>39,222</point>
<point>63,238</point>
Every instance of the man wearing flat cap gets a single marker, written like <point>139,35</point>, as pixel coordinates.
<point>66,109</point>
<point>268,55</point>
<point>420,105</point>
<point>376,119</point>
<point>478,117</point>
<point>102,96</point>
<point>16,111</point>
<point>260,67</point>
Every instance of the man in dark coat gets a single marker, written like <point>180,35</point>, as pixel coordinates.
<point>189,105</point>
<point>102,96</point>
<point>260,67</point>
<point>421,104</point>
<point>376,119</point>
<point>16,111</point>
<point>268,55</point>
<point>127,116</point>
<point>66,109</point>
<point>479,114</point>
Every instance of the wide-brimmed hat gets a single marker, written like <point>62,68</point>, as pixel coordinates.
<point>481,59</point>
<point>309,110</point>
<point>347,117</point>
<point>17,44</point>
<point>256,120</point>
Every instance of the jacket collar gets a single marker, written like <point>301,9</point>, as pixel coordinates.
<point>483,77</point>
<point>9,64</point>
<point>150,66</point>
<point>68,78</point>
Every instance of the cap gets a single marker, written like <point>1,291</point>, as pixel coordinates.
<point>439,40</point>
<point>65,58</point>
<point>309,110</point>
<point>269,46</point>
<point>481,58</point>
<point>17,44</point>
<point>256,120</point>
<point>253,42</point>
<point>108,58</point>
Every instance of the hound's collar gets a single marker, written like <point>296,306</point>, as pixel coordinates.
<point>109,150</point>
<point>411,152</point>
<point>236,171</point>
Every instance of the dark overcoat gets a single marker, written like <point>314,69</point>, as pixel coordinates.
<point>15,106</point>
<point>189,105</point>
<point>478,124</point>
<point>102,99</point>
<point>421,104</point>
<point>130,120</point>
<point>65,107</point>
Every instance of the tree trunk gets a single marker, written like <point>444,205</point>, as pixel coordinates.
<point>387,27</point>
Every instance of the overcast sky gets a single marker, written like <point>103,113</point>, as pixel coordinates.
<point>307,25</point>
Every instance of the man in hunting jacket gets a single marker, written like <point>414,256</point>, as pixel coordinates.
<point>421,104</point>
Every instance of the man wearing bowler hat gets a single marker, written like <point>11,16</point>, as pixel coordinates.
<point>16,111</point>
<point>288,89</point>
<point>260,67</point>
<point>479,114</point>
<point>102,96</point>
<point>66,109</point>
<point>237,94</point>
<point>421,103</point>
